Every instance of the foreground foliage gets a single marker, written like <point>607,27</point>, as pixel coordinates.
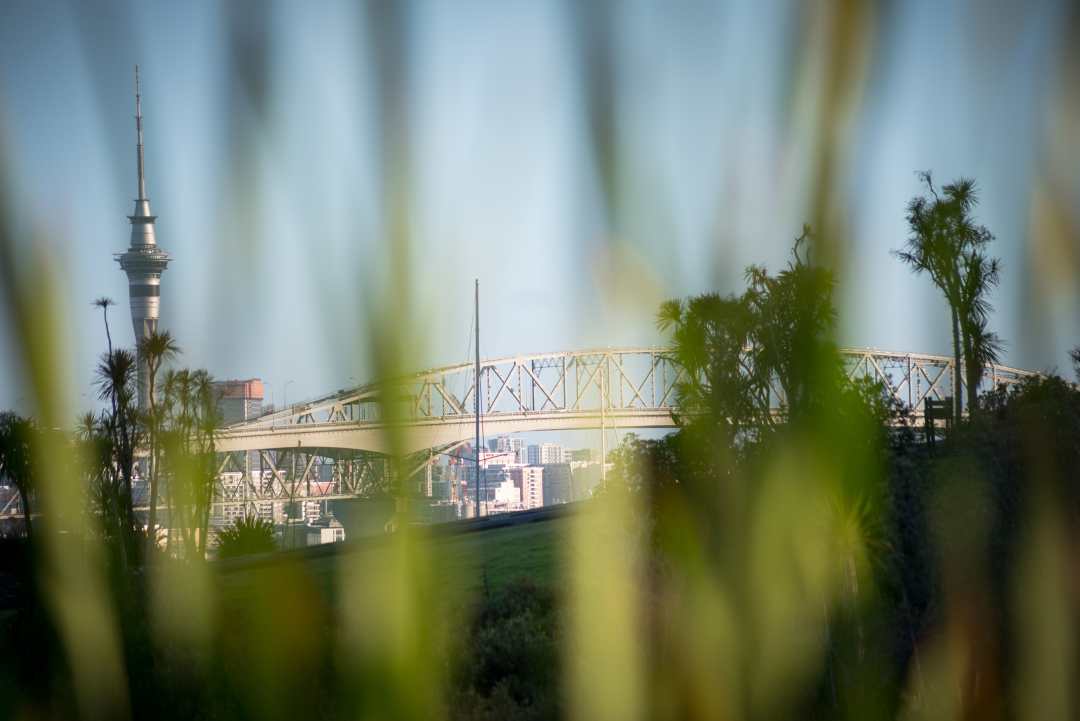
<point>246,536</point>
<point>822,561</point>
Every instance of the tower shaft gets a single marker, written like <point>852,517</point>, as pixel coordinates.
<point>144,261</point>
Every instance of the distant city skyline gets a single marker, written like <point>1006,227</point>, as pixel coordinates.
<point>274,277</point>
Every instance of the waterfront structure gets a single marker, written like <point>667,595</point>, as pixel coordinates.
<point>144,261</point>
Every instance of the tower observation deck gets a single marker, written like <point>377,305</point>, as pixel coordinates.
<point>144,261</point>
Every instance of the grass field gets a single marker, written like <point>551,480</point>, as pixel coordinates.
<point>458,562</point>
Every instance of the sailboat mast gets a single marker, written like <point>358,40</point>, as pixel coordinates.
<point>476,394</point>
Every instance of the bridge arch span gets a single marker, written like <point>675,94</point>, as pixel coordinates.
<point>573,390</point>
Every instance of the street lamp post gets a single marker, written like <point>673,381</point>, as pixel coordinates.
<point>285,399</point>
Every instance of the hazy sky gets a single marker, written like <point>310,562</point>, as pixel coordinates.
<point>271,211</point>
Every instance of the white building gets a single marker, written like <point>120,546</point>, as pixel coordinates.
<point>521,454</point>
<point>550,453</point>
<point>325,530</point>
<point>507,494</point>
<point>532,487</point>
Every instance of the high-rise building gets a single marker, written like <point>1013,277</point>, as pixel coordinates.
<point>532,455</point>
<point>517,447</point>
<point>532,487</point>
<point>239,400</point>
<point>551,453</point>
<point>144,261</point>
<point>558,484</point>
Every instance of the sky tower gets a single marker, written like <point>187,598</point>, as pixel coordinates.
<point>144,261</point>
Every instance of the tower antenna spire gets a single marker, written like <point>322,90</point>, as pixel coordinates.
<point>144,261</point>
<point>138,129</point>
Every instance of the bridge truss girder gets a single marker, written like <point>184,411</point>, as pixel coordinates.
<point>620,388</point>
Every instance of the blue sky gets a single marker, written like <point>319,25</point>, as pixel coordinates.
<point>275,268</point>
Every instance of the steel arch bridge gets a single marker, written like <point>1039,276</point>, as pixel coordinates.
<point>614,388</point>
<point>625,387</point>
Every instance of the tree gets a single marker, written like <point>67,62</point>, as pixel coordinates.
<point>16,463</point>
<point>947,244</point>
<point>733,349</point>
<point>1075,355</point>
<point>122,432</point>
<point>981,346</point>
<point>792,342</point>
<point>104,302</point>
<point>155,349</point>
<point>709,336</point>
<point>247,535</point>
<point>188,426</point>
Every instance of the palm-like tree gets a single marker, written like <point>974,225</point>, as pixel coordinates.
<point>709,336</point>
<point>173,403</point>
<point>189,420</point>
<point>943,242</point>
<point>981,346</point>
<point>86,426</point>
<point>104,302</point>
<point>733,349</point>
<point>16,465</point>
<point>117,384</point>
<point>796,319</point>
<point>206,422</point>
<point>155,349</point>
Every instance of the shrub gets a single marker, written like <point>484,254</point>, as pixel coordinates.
<point>248,535</point>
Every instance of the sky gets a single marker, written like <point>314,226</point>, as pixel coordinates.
<point>270,196</point>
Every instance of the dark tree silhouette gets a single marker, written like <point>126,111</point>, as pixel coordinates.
<point>793,337</point>
<point>247,535</point>
<point>16,459</point>
<point>981,346</point>
<point>733,349</point>
<point>947,244</point>
<point>105,302</point>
